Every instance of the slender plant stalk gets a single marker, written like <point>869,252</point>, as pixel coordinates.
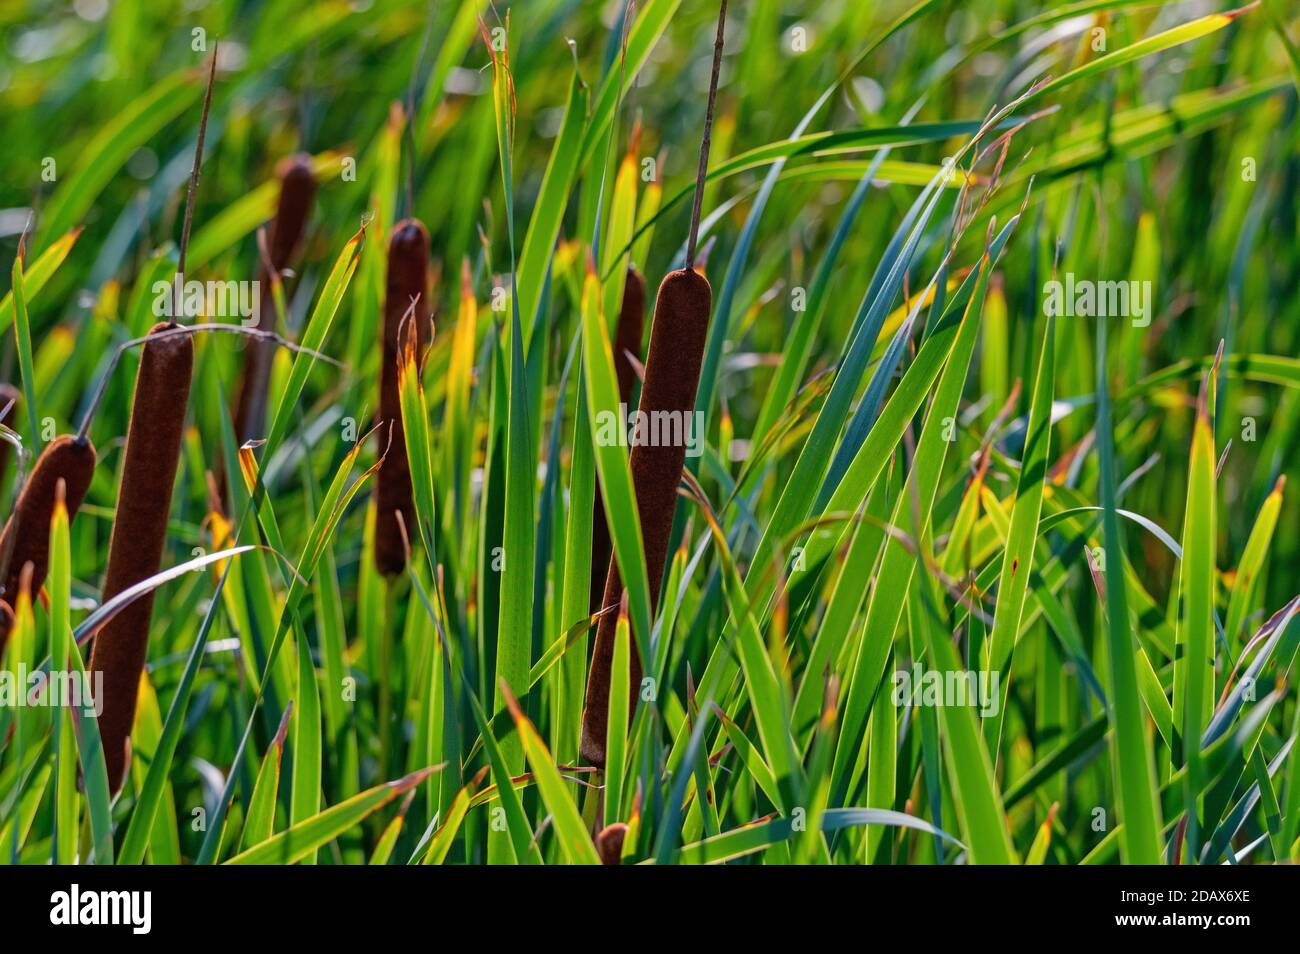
<point>153,442</point>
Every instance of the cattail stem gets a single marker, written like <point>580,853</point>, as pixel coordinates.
<point>627,341</point>
<point>153,443</point>
<point>707,140</point>
<point>297,191</point>
<point>198,165</point>
<point>179,331</point>
<point>672,375</point>
<point>26,536</point>
<point>407,294</point>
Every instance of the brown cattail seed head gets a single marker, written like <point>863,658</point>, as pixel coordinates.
<point>153,443</point>
<point>408,280</point>
<point>26,535</point>
<point>627,340</point>
<point>609,843</point>
<point>297,190</point>
<point>672,375</point>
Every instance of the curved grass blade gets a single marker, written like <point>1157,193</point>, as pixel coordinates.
<point>745,841</point>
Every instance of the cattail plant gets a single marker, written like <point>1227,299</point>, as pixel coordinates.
<point>627,343</point>
<point>297,190</point>
<point>406,298</point>
<point>153,442</point>
<point>26,536</point>
<point>672,374</point>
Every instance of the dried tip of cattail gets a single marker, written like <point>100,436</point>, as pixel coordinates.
<point>609,843</point>
<point>406,299</point>
<point>296,169</point>
<point>672,376</point>
<point>150,459</point>
<point>297,190</point>
<point>26,536</point>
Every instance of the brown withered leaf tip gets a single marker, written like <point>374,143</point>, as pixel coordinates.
<point>627,341</point>
<point>672,375</point>
<point>153,443</point>
<point>408,282</point>
<point>297,192</point>
<point>26,535</point>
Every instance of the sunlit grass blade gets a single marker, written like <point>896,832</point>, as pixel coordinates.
<point>259,819</point>
<point>1018,557</point>
<point>569,828</point>
<point>1195,650</point>
<point>297,842</point>
<point>1133,770</point>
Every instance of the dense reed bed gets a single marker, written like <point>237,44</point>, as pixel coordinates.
<point>938,510</point>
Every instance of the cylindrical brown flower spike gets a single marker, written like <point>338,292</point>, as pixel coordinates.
<point>408,282</point>
<point>297,190</point>
<point>153,443</point>
<point>26,536</point>
<point>9,396</point>
<point>672,374</point>
<point>627,340</point>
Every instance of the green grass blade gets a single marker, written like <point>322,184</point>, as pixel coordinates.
<point>297,842</point>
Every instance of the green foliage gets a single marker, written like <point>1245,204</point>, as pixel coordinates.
<point>924,453</point>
